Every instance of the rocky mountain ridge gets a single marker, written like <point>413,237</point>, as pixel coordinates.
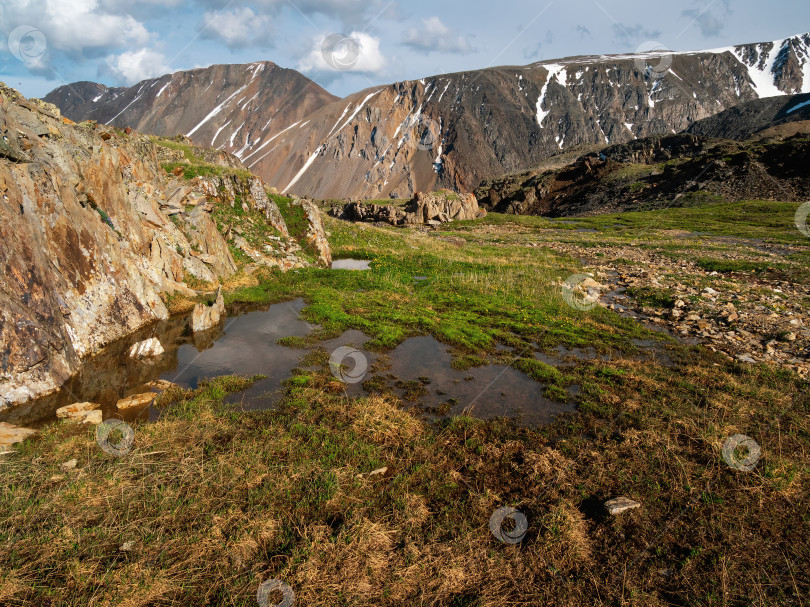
<point>95,235</point>
<point>455,130</point>
<point>673,170</point>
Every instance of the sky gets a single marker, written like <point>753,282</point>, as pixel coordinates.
<point>349,45</point>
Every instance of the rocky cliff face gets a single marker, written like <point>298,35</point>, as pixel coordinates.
<point>229,107</point>
<point>93,232</point>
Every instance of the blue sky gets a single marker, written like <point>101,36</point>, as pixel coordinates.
<point>46,43</point>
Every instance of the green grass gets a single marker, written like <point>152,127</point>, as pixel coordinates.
<point>215,500</point>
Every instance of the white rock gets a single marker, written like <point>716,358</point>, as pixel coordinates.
<point>147,348</point>
<point>205,317</point>
<point>619,504</point>
<point>710,292</point>
<point>69,465</point>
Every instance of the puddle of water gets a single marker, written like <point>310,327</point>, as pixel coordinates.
<point>489,391</point>
<point>351,264</point>
<point>245,343</point>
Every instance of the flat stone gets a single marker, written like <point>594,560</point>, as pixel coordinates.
<point>75,410</point>
<point>10,434</point>
<point>69,465</point>
<point>135,402</point>
<point>619,504</point>
<point>91,417</point>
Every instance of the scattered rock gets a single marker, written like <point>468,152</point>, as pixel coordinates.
<point>147,348</point>
<point>69,465</point>
<point>710,292</point>
<point>617,505</point>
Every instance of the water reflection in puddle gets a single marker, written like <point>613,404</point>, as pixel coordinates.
<point>246,344</point>
<point>351,264</point>
<point>486,392</point>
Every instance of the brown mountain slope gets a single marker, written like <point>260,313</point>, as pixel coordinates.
<point>230,107</point>
<point>455,130</point>
<point>458,129</point>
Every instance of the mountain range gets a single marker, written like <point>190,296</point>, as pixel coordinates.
<point>447,131</point>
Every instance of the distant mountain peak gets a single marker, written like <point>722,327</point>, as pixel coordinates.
<point>448,130</point>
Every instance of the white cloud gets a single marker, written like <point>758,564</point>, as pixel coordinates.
<point>435,36</point>
<point>238,28</point>
<point>133,66</point>
<point>358,52</point>
<point>74,25</point>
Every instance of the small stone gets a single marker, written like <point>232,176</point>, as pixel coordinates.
<point>710,292</point>
<point>378,471</point>
<point>135,402</point>
<point>745,358</point>
<point>732,317</point>
<point>127,546</point>
<point>619,504</point>
<point>680,303</point>
<point>790,337</point>
<point>69,465</point>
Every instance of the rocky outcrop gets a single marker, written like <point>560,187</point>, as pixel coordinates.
<point>424,209</point>
<point>657,172</point>
<point>94,234</point>
<point>206,317</point>
<point>315,236</point>
<point>744,120</point>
